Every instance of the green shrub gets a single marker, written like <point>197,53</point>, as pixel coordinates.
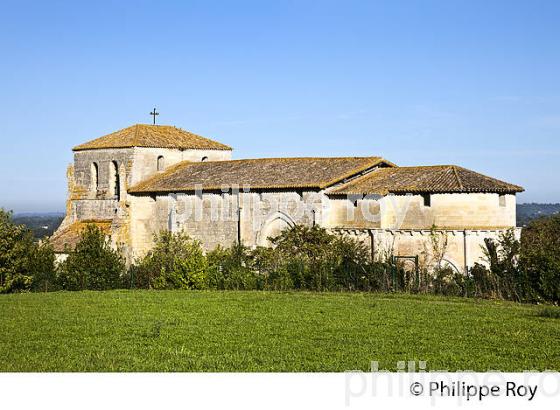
<point>310,256</point>
<point>351,262</point>
<point>446,281</point>
<point>24,264</point>
<point>233,269</point>
<point>503,258</point>
<point>540,257</point>
<point>93,264</point>
<point>16,244</point>
<point>42,267</point>
<point>175,262</point>
<point>379,277</point>
<point>485,283</point>
<point>301,258</point>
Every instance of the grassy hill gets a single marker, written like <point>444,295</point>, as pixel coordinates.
<point>269,331</point>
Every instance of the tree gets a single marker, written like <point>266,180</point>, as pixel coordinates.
<point>93,264</point>
<point>16,249</point>
<point>42,267</point>
<point>502,256</point>
<point>540,256</point>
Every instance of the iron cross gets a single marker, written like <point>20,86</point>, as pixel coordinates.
<point>154,113</point>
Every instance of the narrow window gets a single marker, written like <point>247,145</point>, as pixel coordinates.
<point>204,159</point>
<point>94,177</point>
<point>502,201</point>
<point>427,199</point>
<point>115,181</point>
<point>160,163</point>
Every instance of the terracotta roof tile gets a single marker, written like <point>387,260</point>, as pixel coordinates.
<point>429,179</point>
<point>263,173</point>
<point>154,136</point>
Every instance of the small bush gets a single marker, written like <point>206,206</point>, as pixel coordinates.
<point>351,262</point>
<point>485,284</point>
<point>42,267</point>
<point>448,282</point>
<point>232,268</point>
<point>175,262</point>
<point>310,256</point>
<point>93,264</point>
<point>379,277</point>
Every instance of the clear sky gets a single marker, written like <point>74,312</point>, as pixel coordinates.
<point>473,83</point>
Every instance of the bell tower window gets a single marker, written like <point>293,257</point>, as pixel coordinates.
<point>115,182</point>
<point>94,177</point>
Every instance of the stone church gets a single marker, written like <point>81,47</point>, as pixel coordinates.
<point>144,179</point>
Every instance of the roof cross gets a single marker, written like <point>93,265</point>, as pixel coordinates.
<point>153,114</point>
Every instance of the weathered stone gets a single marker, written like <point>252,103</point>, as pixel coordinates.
<point>390,225</point>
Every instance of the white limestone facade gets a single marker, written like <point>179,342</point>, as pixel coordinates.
<point>135,192</point>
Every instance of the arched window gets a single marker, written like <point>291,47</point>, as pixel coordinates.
<point>115,182</point>
<point>160,163</point>
<point>94,177</point>
<point>204,159</point>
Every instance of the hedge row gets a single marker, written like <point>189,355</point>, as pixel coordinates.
<point>302,258</point>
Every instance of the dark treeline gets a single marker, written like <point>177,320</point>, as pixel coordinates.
<point>41,225</point>
<point>303,258</point>
<point>529,212</point>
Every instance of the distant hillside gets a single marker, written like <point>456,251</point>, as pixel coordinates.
<point>41,224</point>
<point>528,212</point>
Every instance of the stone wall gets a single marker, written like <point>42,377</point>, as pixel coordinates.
<point>353,213</point>
<point>463,248</point>
<point>93,198</point>
<point>395,224</point>
<point>450,211</point>
<point>104,158</point>
<point>85,209</point>
<point>145,159</point>
<point>139,164</point>
<point>212,218</point>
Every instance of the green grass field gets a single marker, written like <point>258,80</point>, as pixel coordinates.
<point>268,331</point>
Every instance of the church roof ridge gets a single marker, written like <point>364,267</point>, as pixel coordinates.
<point>259,173</point>
<point>425,179</point>
<point>152,136</point>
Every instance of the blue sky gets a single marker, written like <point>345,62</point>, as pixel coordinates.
<point>473,83</point>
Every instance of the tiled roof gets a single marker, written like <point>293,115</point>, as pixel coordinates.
<point>65,239</point>
<point>264,173</point>
<point>153,136</point>
<point>428,179</point>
